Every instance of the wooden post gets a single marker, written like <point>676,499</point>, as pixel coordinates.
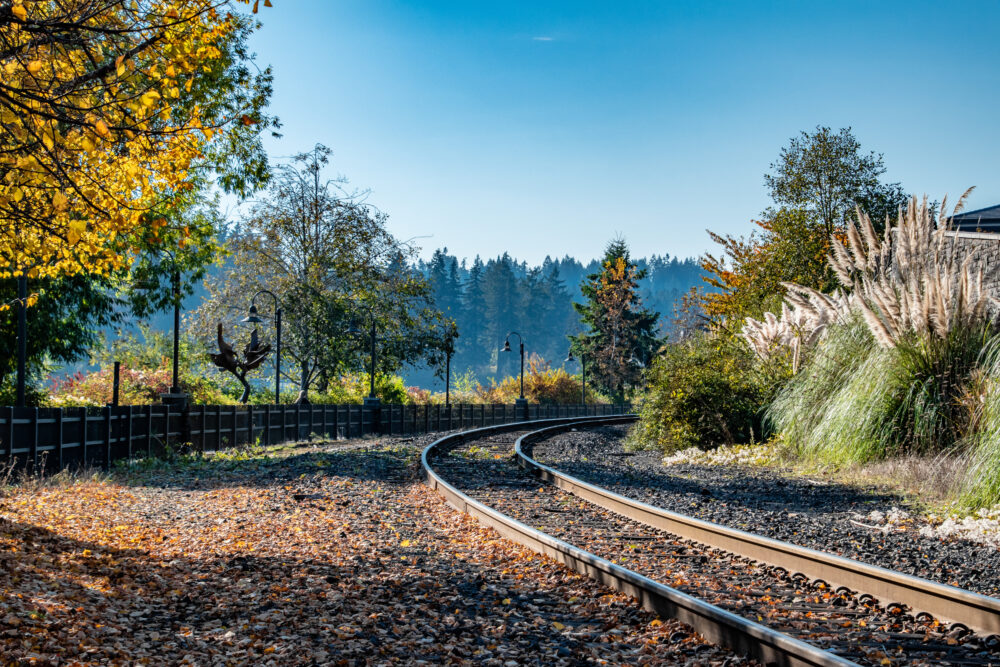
<point>59,435</point>
<point>83,436</point>
<point>250,436</point>
<point>128,432</point>
<point>203,428</point>
<point>34,440</point>
<point>267,425</point>
<point>236,421</point>
<point>107,437</point>
<point>10,434</point>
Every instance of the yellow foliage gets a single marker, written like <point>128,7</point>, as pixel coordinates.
<point>88,143</point>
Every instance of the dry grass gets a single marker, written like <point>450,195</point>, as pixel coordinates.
<point>932,481</point>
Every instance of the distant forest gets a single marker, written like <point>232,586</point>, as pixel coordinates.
<point>488,299</point>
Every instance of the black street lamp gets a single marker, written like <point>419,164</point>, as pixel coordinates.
<point>175,396</point>
<point>449,349</point>
<point>253,318</point>
<point>506,348</point>
<point>372,399</point>
<point>583,370</point>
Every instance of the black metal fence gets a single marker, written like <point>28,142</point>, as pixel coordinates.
<point>56,438</point>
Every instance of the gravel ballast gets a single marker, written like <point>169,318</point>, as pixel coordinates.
<point>773,502</point>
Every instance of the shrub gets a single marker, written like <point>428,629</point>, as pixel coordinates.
<point>354,388</point>
<point>703,392</point>
<point>542,384</point>
<point>136,387</point>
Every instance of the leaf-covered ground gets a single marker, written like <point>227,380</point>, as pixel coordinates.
<point>316,555</point>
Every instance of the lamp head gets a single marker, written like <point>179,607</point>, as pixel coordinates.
<point>353,329</point>
<point>506,346</point>
<point>570,357</point>
<point>252,317</point>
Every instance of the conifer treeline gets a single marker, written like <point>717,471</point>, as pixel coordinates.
<point>489,299</point>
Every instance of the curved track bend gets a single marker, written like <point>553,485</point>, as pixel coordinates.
<point>734,588</point>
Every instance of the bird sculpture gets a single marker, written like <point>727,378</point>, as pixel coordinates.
<point>226,359</point>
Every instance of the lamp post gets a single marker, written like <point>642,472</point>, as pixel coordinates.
<point>449,349</point>
<point>522,402</point>
<point>253,318</point>
<point>175,396</point>
<point>371,399</point>
<point>583,371</point>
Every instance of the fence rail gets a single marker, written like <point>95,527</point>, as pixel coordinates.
<point>57,438</point>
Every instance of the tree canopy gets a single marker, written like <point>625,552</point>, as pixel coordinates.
<point>817,183</point>
<point>107,110</point>
<point>328,257</point>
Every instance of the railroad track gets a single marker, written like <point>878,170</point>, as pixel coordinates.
<point>778,603</point>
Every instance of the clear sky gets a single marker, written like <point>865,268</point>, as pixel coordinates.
<point>548,127</point>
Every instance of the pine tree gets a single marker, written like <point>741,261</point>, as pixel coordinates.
<point>621,335</point>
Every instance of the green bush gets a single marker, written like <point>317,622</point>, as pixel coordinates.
<point>706,391</point>
<point>354,388</point>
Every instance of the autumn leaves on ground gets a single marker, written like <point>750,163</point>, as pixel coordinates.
<point>310,555</point>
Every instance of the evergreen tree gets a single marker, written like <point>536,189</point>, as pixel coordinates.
<point>500,300</point>
<point>474,339</point>
<point>621,335</point>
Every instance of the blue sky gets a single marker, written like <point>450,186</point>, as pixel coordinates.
<point>546,128</point>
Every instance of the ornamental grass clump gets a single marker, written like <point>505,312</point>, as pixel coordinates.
<point>981,486</point>
<point>895,365</point>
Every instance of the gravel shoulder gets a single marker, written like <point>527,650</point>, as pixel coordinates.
<point>330,554</point>
<point>773,502</point>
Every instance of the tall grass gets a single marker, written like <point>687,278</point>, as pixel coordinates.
<point>857,401</point>
<point>981,484</point>
<point>833,409</point>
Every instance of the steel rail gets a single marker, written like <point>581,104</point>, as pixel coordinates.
<point>717,625</point>
<point>946,603</point>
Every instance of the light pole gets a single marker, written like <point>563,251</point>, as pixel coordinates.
<point>175,396</point>
<point>371,399</point>
<point>253,318</point>
<point>506,348</point>
<point>449,349</point>
<point>583,371</point>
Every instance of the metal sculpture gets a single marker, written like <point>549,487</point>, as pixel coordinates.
<point>254,355</point>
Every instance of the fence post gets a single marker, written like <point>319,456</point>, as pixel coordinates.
<point>267,425</point>
<point>83,436</point>
<point>128,435</point>
<point>202,429</point>
<point>166,427</point>
<point>34,440</point>
<point>107,437</point>
<point>59,432</point>
<point>10,434</point>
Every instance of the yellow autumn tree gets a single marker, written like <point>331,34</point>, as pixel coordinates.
<point>105,114</point>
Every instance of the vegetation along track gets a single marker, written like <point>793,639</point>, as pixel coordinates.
<point>751,594</point>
